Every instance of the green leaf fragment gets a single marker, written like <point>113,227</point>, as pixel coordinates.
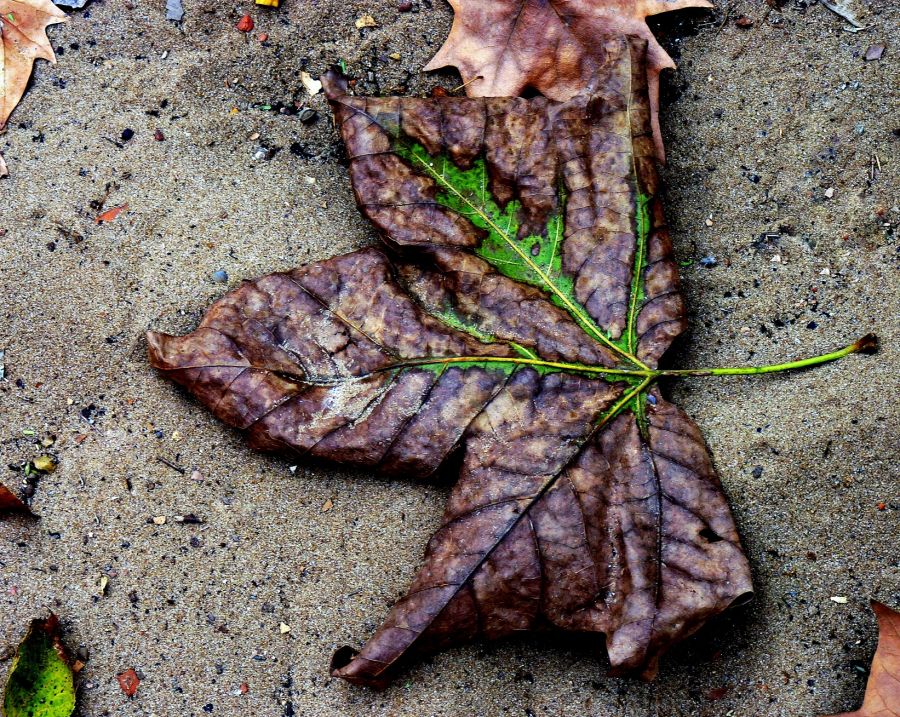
<point>40,682</point>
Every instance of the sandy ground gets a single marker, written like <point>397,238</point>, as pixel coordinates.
<point>761,125</point>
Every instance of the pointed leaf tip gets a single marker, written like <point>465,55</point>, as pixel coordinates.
<point>23,30</point>
<point>334,82</point>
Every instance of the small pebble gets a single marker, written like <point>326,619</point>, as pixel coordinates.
<point>159,136</point>
<point>220,276</point>
<point>709,262</point>
<point>405,6</point>
<point>307,115</point>
<point>874,52</point>
<point>127,134</point>
<point>829,192</point>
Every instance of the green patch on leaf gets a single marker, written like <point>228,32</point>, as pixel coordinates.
<point>535,260</point>
<point>40,683</point>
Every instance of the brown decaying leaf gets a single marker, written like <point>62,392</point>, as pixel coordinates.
<point>10,503</point>
<point>883,688</point>
<point>129,682</point>
<point>23,25</point>
<point>111,214</point>
<point>582,504</point>
<point>502,47</point>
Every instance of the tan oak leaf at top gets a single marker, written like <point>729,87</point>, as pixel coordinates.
<point>23,29</point>
<point>23,39</point>
<point>502,47</point>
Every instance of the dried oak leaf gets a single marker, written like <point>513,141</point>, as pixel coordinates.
<point>883,688</point>
<point>41,682</point>
<point>528,275</point>
<point>23,31</point>
<point>23,39</point>
<point>555,47</point>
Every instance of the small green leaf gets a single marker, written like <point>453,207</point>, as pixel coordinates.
<point>40,683</point>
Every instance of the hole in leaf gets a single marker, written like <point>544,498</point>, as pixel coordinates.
<point>710,535</point>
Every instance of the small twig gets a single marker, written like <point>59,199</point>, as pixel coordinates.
<point>464,84</point>
<point>173,466</point>
<point>727,16</point>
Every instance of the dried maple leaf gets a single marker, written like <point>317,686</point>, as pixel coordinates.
<point>883,688</point>
<point>502,47</point>
<point>516,321</point>
<point>23,39</point>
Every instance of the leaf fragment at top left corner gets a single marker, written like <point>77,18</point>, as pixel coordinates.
<point>41,681</point>
<point>11,503</point>
<point>23,31</point>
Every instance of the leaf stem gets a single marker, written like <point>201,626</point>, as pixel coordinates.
<point>867,344</point>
